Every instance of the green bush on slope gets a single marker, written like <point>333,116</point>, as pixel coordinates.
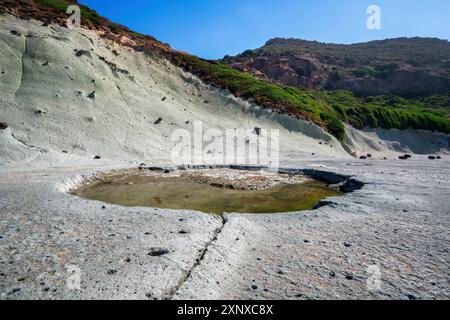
<point>326,108</point>
<point>86,12</point>
<point>329,109</point>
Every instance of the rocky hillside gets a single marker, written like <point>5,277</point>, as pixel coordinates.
<point>85,94</point>
<point>403,66</point>
<point>330,110</point>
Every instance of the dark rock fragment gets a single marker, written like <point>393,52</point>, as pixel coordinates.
<point>80,53</point>
<point>157,252</point>
<point>158,121</point>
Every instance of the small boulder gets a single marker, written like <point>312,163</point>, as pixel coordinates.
<point>257,131</point>
<point>3,126</point>
<point>405,157</point>
<point>111,272</point>
<point>158,121</point>
<point>431,157</point>
<point>157,252</point>
<point>91,95</point>
<point>80,53</point>
<point>97,157</point>
<point>363,157</point>
<point>369,155</point>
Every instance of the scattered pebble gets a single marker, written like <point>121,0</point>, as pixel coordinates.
<point>281,271</point>
<point>157,252</point>
<point>91,95</point>
<point>80,53</point>
<point>405,157</point>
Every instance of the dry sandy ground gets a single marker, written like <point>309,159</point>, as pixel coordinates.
<point>398,222</point>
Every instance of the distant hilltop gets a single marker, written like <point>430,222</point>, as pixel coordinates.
<point>403,66</point>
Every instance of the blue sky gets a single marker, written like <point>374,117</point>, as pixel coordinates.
<point>214,28</point>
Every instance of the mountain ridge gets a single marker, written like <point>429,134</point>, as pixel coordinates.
<point>408,67</point>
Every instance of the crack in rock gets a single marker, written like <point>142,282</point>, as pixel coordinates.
<point>198,260</point>
<point>24,143</point>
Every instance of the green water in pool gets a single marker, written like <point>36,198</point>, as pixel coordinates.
<point>187,193</point>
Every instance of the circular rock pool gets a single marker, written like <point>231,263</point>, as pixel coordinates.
<point>215,191</point>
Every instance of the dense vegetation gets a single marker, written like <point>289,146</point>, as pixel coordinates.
<point>87,14</point>
<point>408,67</point>
<point>329,109</point>
<point>417,52</point>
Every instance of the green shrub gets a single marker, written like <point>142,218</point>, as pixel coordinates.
<point>333,125</point>
<point>326,108</point>
<point>55,4</point>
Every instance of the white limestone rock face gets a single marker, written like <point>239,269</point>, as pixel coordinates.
<point>71,90</point>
